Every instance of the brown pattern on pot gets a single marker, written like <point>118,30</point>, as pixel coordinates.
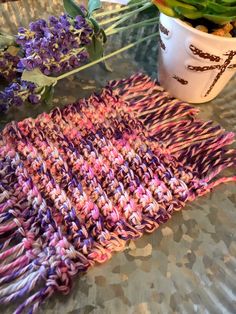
<point>206,61</point>
<point>223,68</point>
<point>180,80</point>
<point>213,58</point>
<point>232,66</point>
<point>162,45</point>
<point>203,68</point>
<point>203,55</point>
<point>163,29</point>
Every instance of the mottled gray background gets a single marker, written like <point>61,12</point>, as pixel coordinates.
<point>186,266</point>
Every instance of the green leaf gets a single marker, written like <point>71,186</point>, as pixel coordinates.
<point>37,77</point>
<point>94,5</point>
<point>218,8</point>
<point>164,9</point>
<point>13,50</point>
<point>106,66</point>
<point>134,2</point>
<point>48,94</point>
<point>6,40</point>
<point>96,26</point>
<point>103,35</point>
<point>218,19</point>
<point>190,14</point>
<point>175,3</point>
<point>72,8</point>
<point>95,49</point>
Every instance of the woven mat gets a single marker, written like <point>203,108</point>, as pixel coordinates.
<point>79,182</point>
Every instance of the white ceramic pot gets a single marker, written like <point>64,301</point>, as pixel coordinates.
<point>194,66</point>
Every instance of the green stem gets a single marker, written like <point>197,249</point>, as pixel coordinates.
<point>106,57</point>
<point>121,9</point>
<point>128,15</point>
<point>143,23</point>
<point>112,19</point>
<point>125,16</point>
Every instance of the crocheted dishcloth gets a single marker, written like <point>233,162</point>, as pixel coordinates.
<point>78,182</point>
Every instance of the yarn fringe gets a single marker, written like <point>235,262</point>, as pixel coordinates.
<point>195,143</point>
<point>77,183</point>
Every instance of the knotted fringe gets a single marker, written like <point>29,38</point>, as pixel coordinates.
<point>77,183</point>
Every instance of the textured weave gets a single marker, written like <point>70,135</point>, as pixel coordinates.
<point>77,183</point>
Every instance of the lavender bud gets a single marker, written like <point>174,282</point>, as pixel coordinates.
<point>34,99</point>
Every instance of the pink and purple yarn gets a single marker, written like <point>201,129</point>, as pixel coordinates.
<point>78,182</point>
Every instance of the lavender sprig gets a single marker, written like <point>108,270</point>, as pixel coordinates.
<point>17,93</point>
<point>56,46</point>
<point>60,47</point>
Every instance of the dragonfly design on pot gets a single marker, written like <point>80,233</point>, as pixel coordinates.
<point>223,64</point>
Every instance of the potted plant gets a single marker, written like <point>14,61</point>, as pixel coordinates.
<point>197,55</point>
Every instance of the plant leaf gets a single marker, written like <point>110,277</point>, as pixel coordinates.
<point>6,40</point>
<point>48,94</point>
<point>13,50</point>
<point>94,5</point>
<point>72,8</point>
<point>106,66</point>
<point>37,77</point>
<point>103,35</point>
<point>133,2</point>
<point>96,26</point>
<point>219,19</point>
<point>95,49</point>
<point>190,14</point>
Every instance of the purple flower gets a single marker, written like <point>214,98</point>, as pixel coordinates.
<point>15,86</point>
<point>83,56</point>
<point>38,26</point>
<point>3,63</point>
<point>24,36</point>
<point>80,22</point>
<point>53,21</point>
<point>16,93</point>
<point>73,61</point>
<point>17,101</point>
<point>84,10</point>
<point>38,60</point>
<point>50,45</point>
<point>2,97</point>
<point>64,21</point>
<point>3,107</point>
<point>34,99</point>
<point>27,64</point>
<point>9,93</point>
<point>8,65</point>
<point>47,34</point>
<point>28,85</point>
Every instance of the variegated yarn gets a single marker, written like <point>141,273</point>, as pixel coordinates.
<point>77,183</point>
